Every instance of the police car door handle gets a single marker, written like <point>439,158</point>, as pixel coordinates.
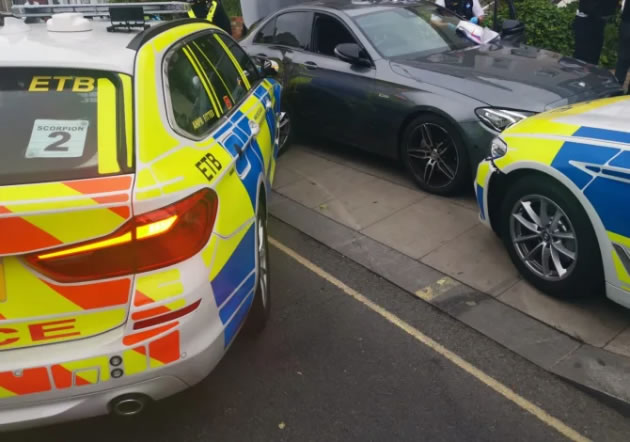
<point>254,128</point>
<point>311,65</point>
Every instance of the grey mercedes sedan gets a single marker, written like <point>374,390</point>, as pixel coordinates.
<point>403,80</point>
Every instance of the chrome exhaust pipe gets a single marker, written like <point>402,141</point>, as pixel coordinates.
<point>128,405</point>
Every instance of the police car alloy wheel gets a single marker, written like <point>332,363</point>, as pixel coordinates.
<point>434,155</point>
<point>550,238</point>
<point>543,237</point>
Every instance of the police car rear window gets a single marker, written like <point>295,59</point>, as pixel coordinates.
<point>59,124</point>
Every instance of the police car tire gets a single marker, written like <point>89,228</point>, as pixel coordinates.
<point>463,176</point>
<point>259,311</point>
<point>587,277</point>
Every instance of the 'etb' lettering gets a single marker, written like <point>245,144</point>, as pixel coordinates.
<point>45,83</point>
<point>209,166</point>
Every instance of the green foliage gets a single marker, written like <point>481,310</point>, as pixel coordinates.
<point>550,27</point>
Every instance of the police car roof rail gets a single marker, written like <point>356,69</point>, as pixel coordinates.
<point>101,9</point>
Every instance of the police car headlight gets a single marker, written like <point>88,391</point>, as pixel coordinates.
<point>500,119</point>
<point>498,148</point>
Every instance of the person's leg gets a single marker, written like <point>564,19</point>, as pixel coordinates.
<point>589,39</point>
<point>599,27</point>
<point>580,32</point>
<point>623,54</point>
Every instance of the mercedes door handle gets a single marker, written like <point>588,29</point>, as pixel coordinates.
<point>311,65</point>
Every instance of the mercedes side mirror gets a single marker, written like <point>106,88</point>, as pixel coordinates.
<point>353,54</point>
<point>513,31</point>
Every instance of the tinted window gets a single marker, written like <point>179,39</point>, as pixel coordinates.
<point>412,31</point>
<point>330,32</point>
<point>266,33</point>
<point>192,108</point>
<point>51,122</point>
<point>293,29</point>
<point>225,77</point>
<point>246,63</point>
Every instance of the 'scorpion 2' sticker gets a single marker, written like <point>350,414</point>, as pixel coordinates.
<point>57,139</point>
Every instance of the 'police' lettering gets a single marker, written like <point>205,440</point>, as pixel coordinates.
<point>8,331</point>
<point>45,331</point>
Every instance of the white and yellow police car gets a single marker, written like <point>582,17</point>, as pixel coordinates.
<point>557,189</point>
<point>136,169</point>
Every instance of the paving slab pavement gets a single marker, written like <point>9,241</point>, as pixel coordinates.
<point>366,208</point>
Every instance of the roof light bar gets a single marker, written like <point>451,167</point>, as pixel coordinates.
<point>101,9</point>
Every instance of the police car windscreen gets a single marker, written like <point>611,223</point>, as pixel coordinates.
<point>58,124</point>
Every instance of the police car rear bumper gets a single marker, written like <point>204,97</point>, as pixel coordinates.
<point>201,346</point>
<point>79,407</point>
<point>95,401</point>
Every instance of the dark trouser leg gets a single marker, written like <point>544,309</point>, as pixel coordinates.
<point>589,39</point>
<point>623,60</point>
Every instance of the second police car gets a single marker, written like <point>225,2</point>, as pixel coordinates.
<point>133,188</point>
<point>557,189</point>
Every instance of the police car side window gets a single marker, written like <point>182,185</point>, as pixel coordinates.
<point>242,59</point>
<point>208,54</point>
<point>192,108</point>
<point>225,78</point>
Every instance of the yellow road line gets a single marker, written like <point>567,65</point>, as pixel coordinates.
<point>436,289</point>
<point>489,381</point>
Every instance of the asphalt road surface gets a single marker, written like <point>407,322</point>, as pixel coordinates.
<point>349,357</point>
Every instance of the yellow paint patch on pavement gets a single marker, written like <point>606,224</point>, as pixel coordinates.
<point>436,289</point>
<point>481,376</point>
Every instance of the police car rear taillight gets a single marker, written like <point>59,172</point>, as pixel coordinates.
<point>146,242</point>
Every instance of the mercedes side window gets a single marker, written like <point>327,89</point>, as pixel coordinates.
<point>265,36</point>
<point>293,29</point>
<point>328,32</point>
<point>192,108</point>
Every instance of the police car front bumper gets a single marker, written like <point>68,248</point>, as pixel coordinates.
<point>485,171</point>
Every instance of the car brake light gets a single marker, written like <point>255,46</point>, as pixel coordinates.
<point>146,242</point>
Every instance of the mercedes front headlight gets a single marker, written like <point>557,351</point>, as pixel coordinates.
<point>500,119</point>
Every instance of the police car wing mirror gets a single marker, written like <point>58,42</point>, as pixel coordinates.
<point>353,54</point>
